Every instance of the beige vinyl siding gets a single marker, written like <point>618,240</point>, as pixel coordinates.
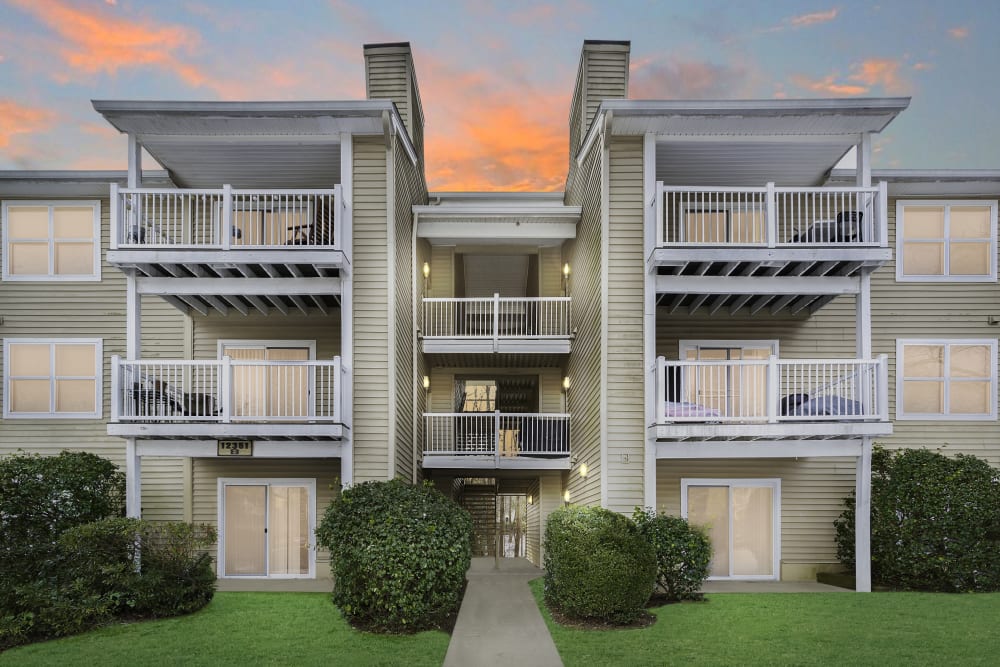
<point>442,279</point>
<point>584,364</point>
<point>626,434</point>
<point>323,329</point>
<point>441,396</point>
<point>371,306</point>
<point>812,493</point>
<point>533,541</point>
<point>602,74</point>
<point>409,190</point>
<point>550,277</point>
<point>390,75</point>
<point>66,309</point>
<point>206,473</point>
<point>420,395</point>
<point>933,310</point>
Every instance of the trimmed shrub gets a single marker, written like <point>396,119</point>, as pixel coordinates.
<point>682,553</point>
<point>935,522</point>
<point>399,554</point>
<point>597,565</point>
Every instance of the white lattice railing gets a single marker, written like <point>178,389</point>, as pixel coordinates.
<point>771,216</point>
<point>224,218</point>
<point>497,317</point>
<point>497,434</point>
<point>226,390</point>
<point>771,390</point>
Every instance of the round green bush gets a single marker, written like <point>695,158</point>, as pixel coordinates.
<point>935,522</point>
<point>597,565</point>
<point>399,554</point>
<point>682,552</point>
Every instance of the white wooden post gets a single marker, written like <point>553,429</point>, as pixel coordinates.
<point>496,322</point>
<point>116,224</point>
<point>863,169</point>
<point>116,389</point>
<point>337,389</point>
<point>227,217</point>
<point>653,193</point>
<point>226,386</point>
<point>133,320</point>
<point>496,437</point>
<point>883,387</point>
<point>863,314</point>
<point>773,388</point>
<point>133,481</point>
<point>862,519</point>
<point>346,467</point>
<point>883,214</point>
<point>772,216</point>
<point>660,216</point>
<point>134,162</point>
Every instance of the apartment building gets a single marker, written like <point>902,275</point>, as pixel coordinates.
<point>711,320</point>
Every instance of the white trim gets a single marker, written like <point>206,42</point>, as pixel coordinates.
<point>249,343</point>
<point>947,343</point>
<point>773,483</point>
<point>945,276</point>
<point>51,276</point>
<point>686,344</point>
<point>267,482</point>
<point>98,378</point>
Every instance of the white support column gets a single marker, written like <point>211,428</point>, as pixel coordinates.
<point>133,481</point>
<point>863,314</point>
<point>652,391</point>
<point>347,309</point>
<point>347,466</point>
<point>863,173</point>
<point>862,519</point>
<point>133,320</point>
<point>134,162</point>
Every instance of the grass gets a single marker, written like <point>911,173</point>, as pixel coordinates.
<point>240,629</point>
<point>797,629</point>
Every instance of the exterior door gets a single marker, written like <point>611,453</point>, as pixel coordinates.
<point>734,390</point>
<point>270,390</point>
<point>742,519</point>
<point>266,528</point>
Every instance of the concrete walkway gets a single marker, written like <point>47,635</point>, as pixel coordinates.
<point>499,622</point>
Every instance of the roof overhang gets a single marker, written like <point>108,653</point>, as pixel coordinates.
<point>930,182</point>
<point>93,183</point>
<point>251,144</point>
<point>535,219</point>
<point>746,142</point>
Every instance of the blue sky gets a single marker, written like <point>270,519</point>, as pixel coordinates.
<point>496,78</point>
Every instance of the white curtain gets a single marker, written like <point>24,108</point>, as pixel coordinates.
<point>245,536</point>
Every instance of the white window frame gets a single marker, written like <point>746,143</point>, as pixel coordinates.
<point>223,482</point>
<point>945,277</point>
<point>727,207</point>
<point>98,377</point>
<point>52,277</point>
<point>691,344</point>
<point>774,483</point>
<point>901,413</point>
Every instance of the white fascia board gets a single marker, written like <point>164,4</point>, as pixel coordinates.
<point>183,431</point>
<point>497,209</point>
<point>758,449</point>
<point>497,230</point>
<point>777,285</point>
<point>153,255</point>
<point>262,449</point>
<point>238,286</point>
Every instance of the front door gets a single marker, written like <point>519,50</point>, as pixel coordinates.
<point>742,519</point>
<point>266,528</point>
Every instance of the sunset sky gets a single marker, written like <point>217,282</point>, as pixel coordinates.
<point>496,78</point>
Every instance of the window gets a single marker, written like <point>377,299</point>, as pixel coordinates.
<point>52,378</point>
<point>51,240</point>
<point>946,241</point>
<point>946,379</point>
<point>728,389</point>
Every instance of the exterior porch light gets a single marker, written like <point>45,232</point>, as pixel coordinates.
<point>427,382</point>
<point>427,276</point>
<point>566,496</point>
<point>566,279</point>
<point>531,499</point>
<point>583,470</point>
<point>565,383</point>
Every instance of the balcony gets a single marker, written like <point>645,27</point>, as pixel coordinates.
<point>797,246</point>
<point>496,440</point>
<point>771,399</point>
<point>539,325</point>
<point>267,400</point>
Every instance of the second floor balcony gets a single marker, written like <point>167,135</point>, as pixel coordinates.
<point>496,440</point>
<point>497,324</point>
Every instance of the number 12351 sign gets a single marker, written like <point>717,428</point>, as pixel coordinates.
<point>235,448</point>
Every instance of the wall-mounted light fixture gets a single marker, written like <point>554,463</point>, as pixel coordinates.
<point>566,279</point>
<point>565,383</point>
<point>427,276</point>
<point>427,382</point>
<point>531,499</point>
<point>583,470</point>
<point>566,496</point>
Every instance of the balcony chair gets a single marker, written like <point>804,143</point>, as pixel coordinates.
<point>845,229</point>
<point>317,232</point>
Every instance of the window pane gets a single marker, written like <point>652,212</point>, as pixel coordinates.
<point>969,259</point>
<point>28,359</point>
<point>753,534</point>
<point>73,359</point>
<point>923,222</point>
<point>28,222</point>
<point>969,398</point>
<point>970,361</point>
<point>29,259</point>
<point>74,259</point>
<point>923,259</point>
<point>73,222</point>
<point>29,395</point>
<point>923,361</point>
<point>923,397</point>
<point>708,506</point>
<point>970,222</point>
<point>75,396</point>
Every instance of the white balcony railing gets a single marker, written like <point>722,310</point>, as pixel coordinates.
<point>496,434</point>
<point>224,218</point>
<point>497,317</point>
<point>226,390</point>
<point>771,216</point>
<point>771,390</point>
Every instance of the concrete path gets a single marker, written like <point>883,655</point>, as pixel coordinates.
<point>499,622</point>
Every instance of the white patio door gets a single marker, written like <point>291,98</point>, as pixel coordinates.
<point>266,528</point>
<point>278,390</point>
<point>742,518</point>
<point>735,390</point>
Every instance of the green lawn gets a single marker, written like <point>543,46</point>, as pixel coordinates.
<point>798,629</point>
<point>240,629</point>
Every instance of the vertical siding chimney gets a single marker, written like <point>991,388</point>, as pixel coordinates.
<point>390,75</point>
<point>602,74</point>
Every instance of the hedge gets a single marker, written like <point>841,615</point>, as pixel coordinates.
<point>683,553</point>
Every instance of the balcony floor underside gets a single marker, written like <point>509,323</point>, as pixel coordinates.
<point>265,263</point>
<point>791,431</point>
<point>201,431</point>
<point>473,462</point>
<point>782,261</point>
<point>504,346</point>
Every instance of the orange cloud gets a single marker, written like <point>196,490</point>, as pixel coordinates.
<point>922,66</point>
<point>959,32</point>
<point>828,86</point>
<point>812,19</point>
<point>879,72</point>
<point>19,119</point>
<point>94,41</point>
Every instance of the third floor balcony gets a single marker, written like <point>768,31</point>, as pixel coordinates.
<point>539,325</point>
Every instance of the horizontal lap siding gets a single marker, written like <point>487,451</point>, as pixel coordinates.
<point>324,330</point>
<point>371,307</point>
<point>812,494</point>
<point>625,366</point>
